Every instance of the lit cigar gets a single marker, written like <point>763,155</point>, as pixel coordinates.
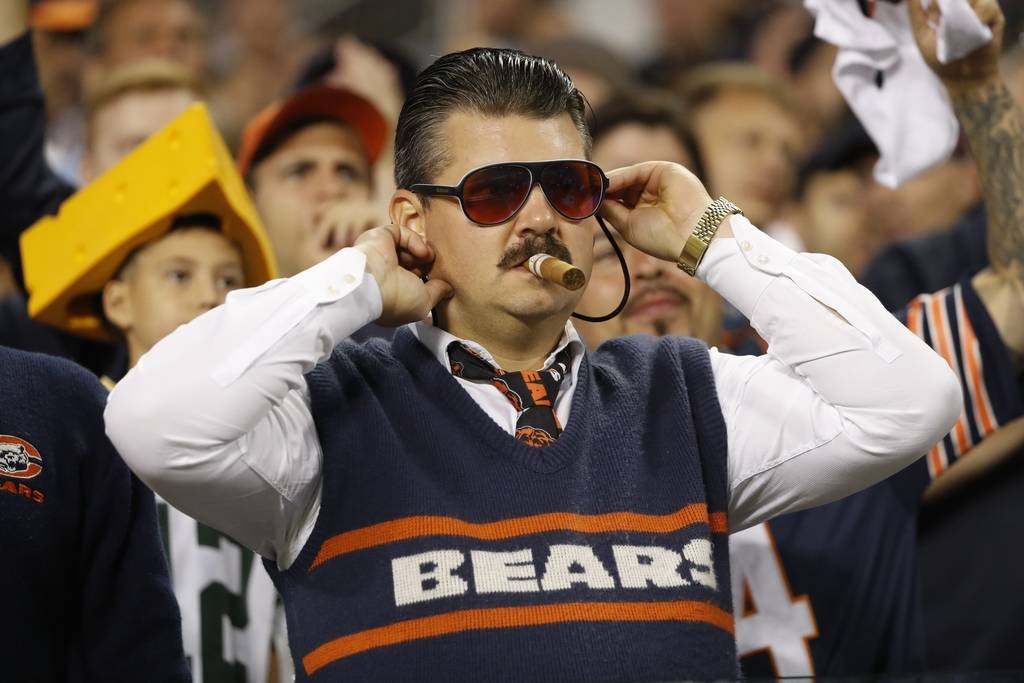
<point>547,267</point>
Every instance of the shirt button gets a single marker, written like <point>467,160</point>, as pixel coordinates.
<point>745,245</point>
<point>332,290</point>
<point>348,279</point>
<point>762,259</point>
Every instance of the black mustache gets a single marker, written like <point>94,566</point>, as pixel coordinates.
<point>538,244</point>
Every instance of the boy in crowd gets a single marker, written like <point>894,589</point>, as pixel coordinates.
<point>172,233</point>
<point>122,109</point>
<point>308,159</point>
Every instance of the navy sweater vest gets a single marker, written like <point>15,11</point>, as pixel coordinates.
<point>446,550</point>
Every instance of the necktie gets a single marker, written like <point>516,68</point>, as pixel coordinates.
<point>531,392</point>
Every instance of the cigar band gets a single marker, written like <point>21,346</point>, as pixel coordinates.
<point>534,263</point>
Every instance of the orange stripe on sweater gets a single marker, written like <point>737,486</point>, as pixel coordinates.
<point>975,379</point>
<point>513,617</point>
<point>418,527</point>
<point>941,332</point>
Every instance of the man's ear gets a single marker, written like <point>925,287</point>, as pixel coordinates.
<point>117,304</point>
<point>406,210</point>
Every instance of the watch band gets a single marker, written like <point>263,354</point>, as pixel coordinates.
<point>698,241</point>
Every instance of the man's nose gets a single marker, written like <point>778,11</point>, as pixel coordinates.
<point>537,215</point>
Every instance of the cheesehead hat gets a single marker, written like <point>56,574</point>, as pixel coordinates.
<point>183,168</point>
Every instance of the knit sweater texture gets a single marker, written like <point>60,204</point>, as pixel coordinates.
<point>446,550</point>
<point>86,590</point>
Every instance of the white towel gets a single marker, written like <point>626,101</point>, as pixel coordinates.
<point>960,31</point>
<point>885,80</point>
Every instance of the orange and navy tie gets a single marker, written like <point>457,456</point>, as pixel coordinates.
<point>531,392</point>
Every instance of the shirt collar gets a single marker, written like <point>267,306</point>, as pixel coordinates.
<point>437,341</point>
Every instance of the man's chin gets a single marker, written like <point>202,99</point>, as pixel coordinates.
<point>539,303</point>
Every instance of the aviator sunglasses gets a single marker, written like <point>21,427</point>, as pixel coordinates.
<point>493,194</point>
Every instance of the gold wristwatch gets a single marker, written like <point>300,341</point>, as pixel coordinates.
<point>698,241</point>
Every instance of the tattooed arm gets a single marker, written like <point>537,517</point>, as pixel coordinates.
<point>994,125</point>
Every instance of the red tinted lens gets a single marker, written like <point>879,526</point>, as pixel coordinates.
<point>574,188</point>
<point>493,194</point>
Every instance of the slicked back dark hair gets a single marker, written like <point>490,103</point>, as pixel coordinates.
<point>486,81</point>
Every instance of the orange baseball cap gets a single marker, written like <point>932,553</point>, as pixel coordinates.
<point>64,15</point>
<point>268,129</point>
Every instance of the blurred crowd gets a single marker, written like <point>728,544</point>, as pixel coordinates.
<point>798,162</point>
<point>740,92</point>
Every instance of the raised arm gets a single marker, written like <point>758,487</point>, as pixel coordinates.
<point>994,124</point>
<point>845,396</point>
<point>216,418</point>
<point>29,189</point>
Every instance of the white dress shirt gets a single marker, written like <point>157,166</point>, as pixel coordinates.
<point>216,417</point>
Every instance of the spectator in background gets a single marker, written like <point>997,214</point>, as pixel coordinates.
<point>78,43</point>
<point>129,30</point>
<point>379,73</point>
<point>810,74</point>
<point>829,215</point>
<point>257,46</point>
<point>692,33</point>
<point>87,596</point>
<point>503,22</point>
<point>59,27</point>
<point>748,129</point>
<point>633,127</point>
<point>974,612</point>
<point>933,261</point>
<point>129,104</point>
<point>308,161</point>
<point>926,203</point>
<point>126,106</point>
<point>156,259</point>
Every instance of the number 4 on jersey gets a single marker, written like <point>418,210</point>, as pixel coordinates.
<point>768,618</point>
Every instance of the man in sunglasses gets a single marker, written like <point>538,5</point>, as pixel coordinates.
<point>482,498</point>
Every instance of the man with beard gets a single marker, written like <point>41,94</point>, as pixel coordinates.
<point>634,127</point>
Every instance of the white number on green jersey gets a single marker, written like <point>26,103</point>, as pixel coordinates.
<point>226,600</point>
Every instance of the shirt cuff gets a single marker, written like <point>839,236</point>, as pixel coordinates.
<point>741,267</point>
<point>335,277</point>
